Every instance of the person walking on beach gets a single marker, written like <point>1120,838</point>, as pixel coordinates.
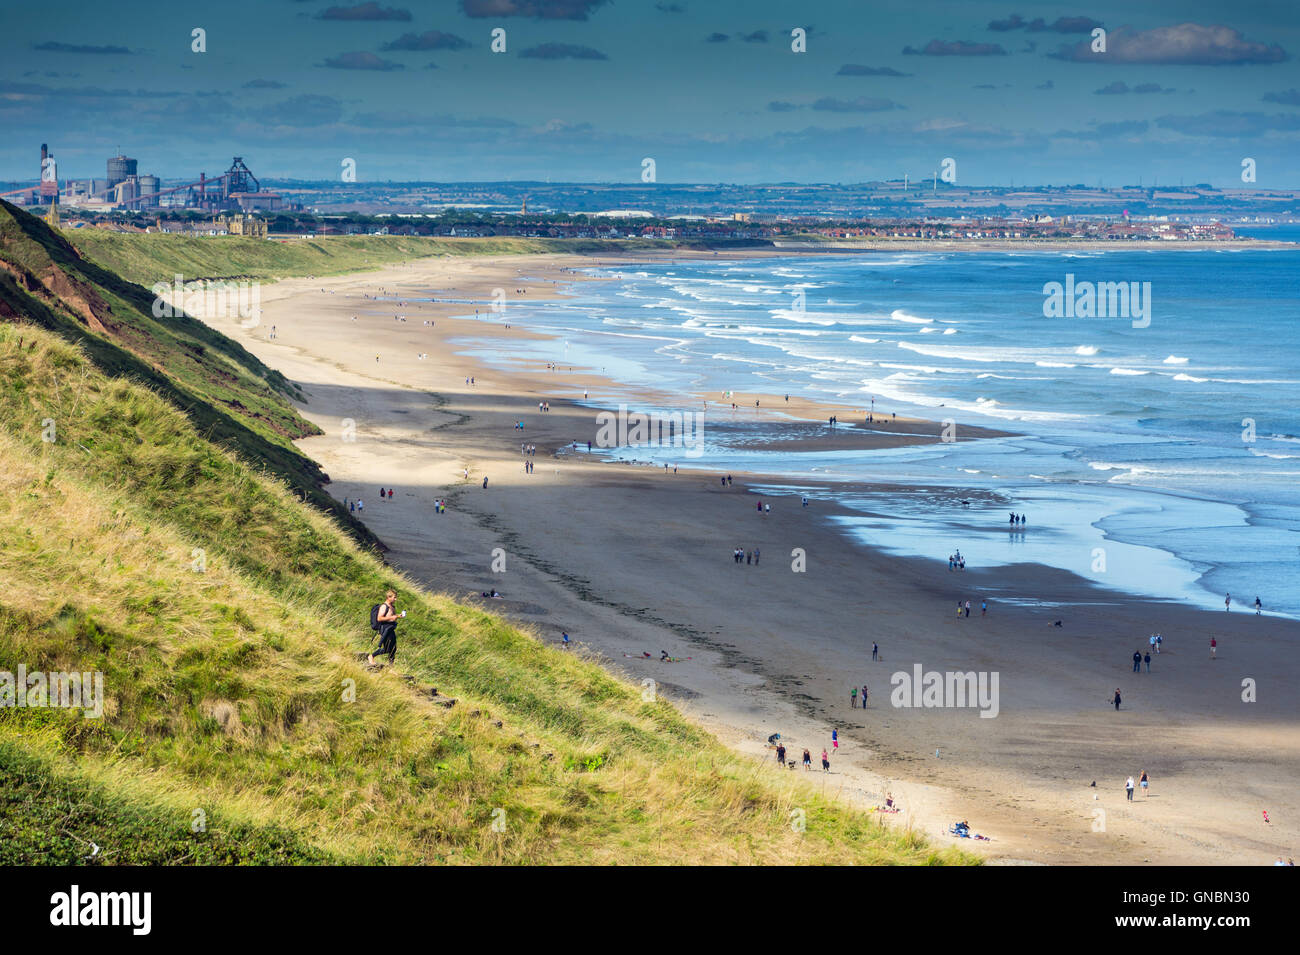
<point>807,761</point>
<point>1214,645</point>
<point>864,696</point>
<point>756,556</point>
<point>1258,606</point>
<point>1128,788</point>
<point>984,608</point>
<point>853,697</point>
<point>875,652</point>
<point>968,608</point>
<point>1147,660</point>
<point>1227,602</point>
<point>826,763</point>
<point>835,739</point>
<point>1159,640</point>
<point>564,639</point>
<point>1143,781</point>
<point>1137,662</point>
<point>780,754</point>
<point>1116,699</point>
<point>958,609</point>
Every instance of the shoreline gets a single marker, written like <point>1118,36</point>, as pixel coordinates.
<point>768,409</point>
<point>599,542</point>
<point>1041,245</point>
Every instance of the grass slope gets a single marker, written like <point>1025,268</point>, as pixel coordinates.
<point>229,394</point>
<point>148,258</point>
<point>226,616</point>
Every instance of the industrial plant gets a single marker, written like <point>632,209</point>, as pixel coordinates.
<point>124,189</point>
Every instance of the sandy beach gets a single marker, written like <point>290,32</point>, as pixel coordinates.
<point>634,561</point>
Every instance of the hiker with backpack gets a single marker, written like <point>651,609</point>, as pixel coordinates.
<point>383,620</point>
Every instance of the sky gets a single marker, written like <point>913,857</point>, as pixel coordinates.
<point>711,90</point>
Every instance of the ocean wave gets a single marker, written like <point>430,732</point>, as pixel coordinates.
<point>803,318</point>
<point>1128,371</point>
<point>1274,455</point>
<point>899,315</point>
<point>1175,360</point>
<point>1182,377</point>
<point>1255,381</point>
<point>1086,350</point>
<point>864,341</point>
<point>1055,364</point>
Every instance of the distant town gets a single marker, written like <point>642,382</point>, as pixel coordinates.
<point>238,202</point>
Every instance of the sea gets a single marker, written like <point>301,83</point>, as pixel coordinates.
<point>1156,453</point>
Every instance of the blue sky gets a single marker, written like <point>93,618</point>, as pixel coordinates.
<point>710,89</point>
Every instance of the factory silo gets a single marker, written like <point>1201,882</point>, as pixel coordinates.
<point>148,186</point>
<point>119,169</point>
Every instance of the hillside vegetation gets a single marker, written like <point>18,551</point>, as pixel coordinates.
<point>227,615</point>
<point>149,258</point>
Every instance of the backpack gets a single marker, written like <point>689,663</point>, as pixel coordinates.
<point>374,617</point>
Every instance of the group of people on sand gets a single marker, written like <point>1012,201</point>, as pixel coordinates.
<point>807,756</point>
<point>1017,519</point>
<point>1227,604</point>
<point>1144,781</point>
<point>853,696</point>
<point>742,556</point>
<point>963,609</point>
<point>956,561</point>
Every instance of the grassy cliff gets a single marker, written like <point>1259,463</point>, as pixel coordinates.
<point>157,257</point>
<point>226,614</point>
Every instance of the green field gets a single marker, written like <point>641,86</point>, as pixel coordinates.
<point>157,257</point>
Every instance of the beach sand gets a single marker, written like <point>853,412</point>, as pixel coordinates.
<point>633,560</point>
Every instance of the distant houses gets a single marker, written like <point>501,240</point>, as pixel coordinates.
<point>239,223</point>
